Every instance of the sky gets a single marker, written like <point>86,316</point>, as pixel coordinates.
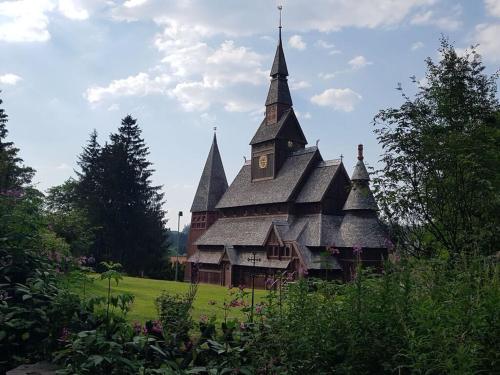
<point>182,67</point>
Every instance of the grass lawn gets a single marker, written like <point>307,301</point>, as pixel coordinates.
<point>146,291</point>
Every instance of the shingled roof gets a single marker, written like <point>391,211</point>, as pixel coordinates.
<point>279,63</point>
<point>360,197</point>
<point>362,229</point>
<point>213,182</point>
<point>318,182</point>
<point>266,131</point>
<point>279,92</point>
<point>244,192</point>
<point>242,231</point>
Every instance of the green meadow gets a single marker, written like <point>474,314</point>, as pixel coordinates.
<point>146,291</point>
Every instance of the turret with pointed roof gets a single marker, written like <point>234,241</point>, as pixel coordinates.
<point>213,182</point>
<point>360,197</point>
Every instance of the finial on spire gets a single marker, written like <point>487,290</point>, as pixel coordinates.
<point>215,129</point>
<point>360,152</point>
<point>341,158</point>
<point>280,8</point>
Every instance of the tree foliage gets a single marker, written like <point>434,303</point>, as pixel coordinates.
<point>114,186</point>
<point>439,182</point>
<point>13,174</point>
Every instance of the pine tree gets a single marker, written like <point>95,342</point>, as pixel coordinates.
<point>13,174</point>
<point>127,209</point>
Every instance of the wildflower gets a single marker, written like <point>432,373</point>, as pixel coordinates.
<point>235,303</point>
<point>65,333</point>
<point>137,327</point>
<point>157,327</point>
<point>258,309</point>
<point>242,326</point>
<point>357,250</point>
<point>333,250</point>
<point>204,319</point>
<point>212,302</point>
<point>389,244</point>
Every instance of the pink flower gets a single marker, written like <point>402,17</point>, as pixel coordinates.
<point>65,333</point>
<point>357,250</point>
<point>157,327</point>
<point>258,309</point>
<point>242,326</point>
<point>388,244</point>
<point>137,327</point>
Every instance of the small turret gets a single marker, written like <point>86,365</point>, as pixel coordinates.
<point>360,196</point>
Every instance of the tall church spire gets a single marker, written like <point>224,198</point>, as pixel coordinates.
<point>278,98</point>
<point>213,182</point>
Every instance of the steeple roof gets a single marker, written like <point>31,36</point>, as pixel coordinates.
<point>278,90</point>
<point>360,197</point>
<point>213,182</point>
<point>279,63</point>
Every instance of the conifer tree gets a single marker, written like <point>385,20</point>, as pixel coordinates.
<point>125,207</point>
<point>13,174</point>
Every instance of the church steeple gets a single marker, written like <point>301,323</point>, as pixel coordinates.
<point>213,182</point>
<point>278,98</point>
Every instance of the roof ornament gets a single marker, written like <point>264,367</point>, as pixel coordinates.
<point>341,158</point>
<point>360,152</point>
<point>280,8</point>
<point>215,129</point>
<point>317,142</point>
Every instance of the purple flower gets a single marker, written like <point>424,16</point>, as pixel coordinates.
<point>137,327</point>
<point>357,250</point>
<point>157,327</point>
<point>388,244</point>
<point>333,250</point>
<point>65,333</point>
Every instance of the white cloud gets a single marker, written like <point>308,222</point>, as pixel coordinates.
<point>416,45</point>
<point>298,85</point>
<point>486,35</point>
<point>134,3</point>
<point>493,7</point>
<point>138,85</point>
<point>359,62</point>
<point>9,79</point>
<point>326,76</point>
<point>323,44</point>
<point>296,42</point>
<point>338,99</point>
<point>325,15</point>
<point>451,21</point>
<point>73,10</point>
<point>25,20</point>
<point>303,116</point>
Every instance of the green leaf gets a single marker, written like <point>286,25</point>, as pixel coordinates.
<point>25,336</point>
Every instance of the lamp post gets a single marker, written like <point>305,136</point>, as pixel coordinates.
<point>178,241</point>
<point>253,259</point>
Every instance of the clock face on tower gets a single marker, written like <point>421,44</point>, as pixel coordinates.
<point>263,161</point>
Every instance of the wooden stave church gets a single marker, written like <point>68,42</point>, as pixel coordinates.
<point>296,212</point>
